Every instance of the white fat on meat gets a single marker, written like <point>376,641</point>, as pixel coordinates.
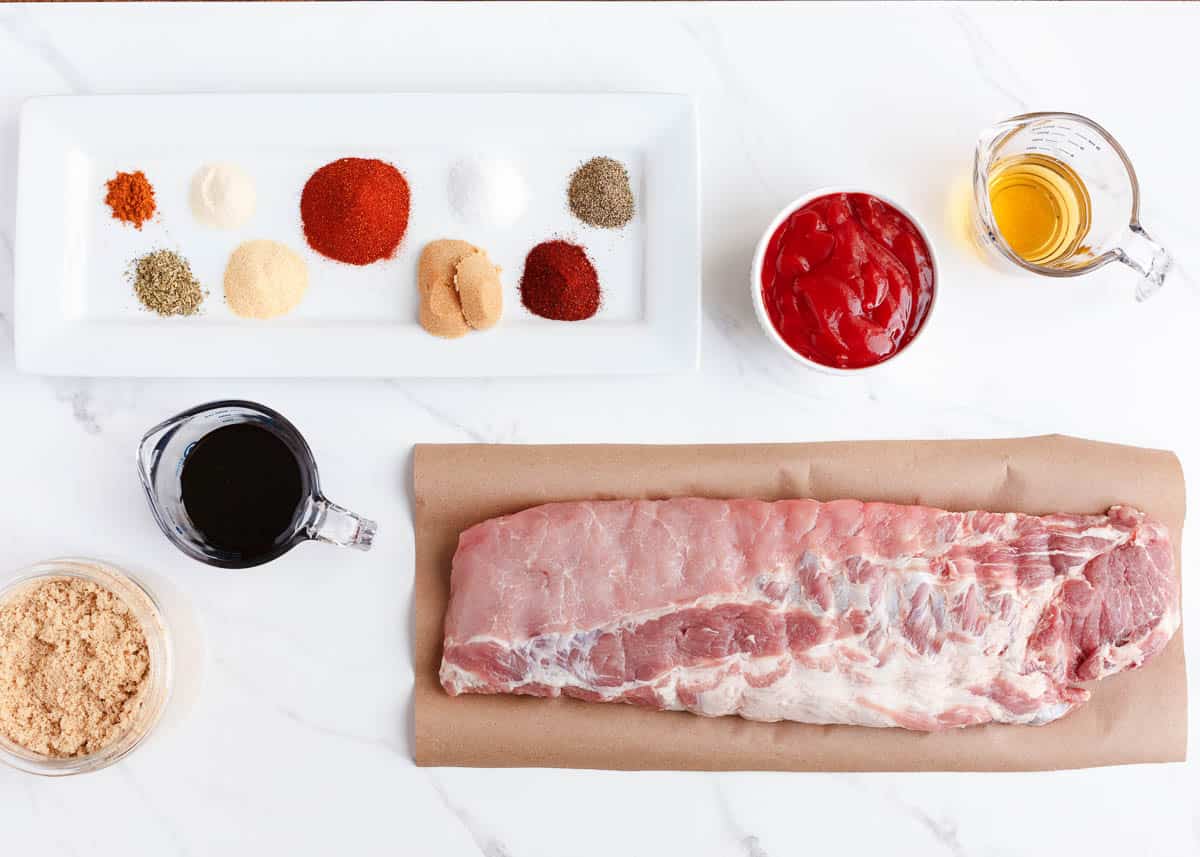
<point>871,614</point>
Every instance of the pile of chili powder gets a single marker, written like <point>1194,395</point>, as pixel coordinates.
<point>560,282</point>
<point>355,210</point>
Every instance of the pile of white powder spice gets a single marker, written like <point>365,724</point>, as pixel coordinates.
<point>222,196</point>
<point>488,191</point>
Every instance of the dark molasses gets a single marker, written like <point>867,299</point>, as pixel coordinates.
<point>242,488</point>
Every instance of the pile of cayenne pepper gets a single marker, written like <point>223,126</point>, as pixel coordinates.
<point>131,198</point>
<point>355,210</point>
<point>560,282</point>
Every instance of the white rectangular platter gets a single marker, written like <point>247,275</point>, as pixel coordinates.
<point>76,312</point>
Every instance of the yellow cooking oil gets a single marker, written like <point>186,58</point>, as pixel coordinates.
<point>1041,207</point>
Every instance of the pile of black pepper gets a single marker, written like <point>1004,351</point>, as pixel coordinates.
<point>165,284</point>
<point>600,194</point>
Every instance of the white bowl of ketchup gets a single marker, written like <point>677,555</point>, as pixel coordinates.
<point>852,281</point>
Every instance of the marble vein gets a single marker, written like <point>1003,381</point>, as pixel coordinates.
<point>945,832</point>
<point>759,367</point>
<point>739,96</point>
<point>365,740</point>
<point>78,394</point>
<point>251,688</point>
<point>21,26</point>
<point>438,414</point>
<point>177,838</point>
<point>488,845</point>
<point>748,844</point>
<point>993,68</point>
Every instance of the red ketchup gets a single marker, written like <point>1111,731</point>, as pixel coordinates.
<point>847,280</point>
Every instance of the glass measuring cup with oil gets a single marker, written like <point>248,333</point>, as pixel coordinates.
<point>1057,195</point>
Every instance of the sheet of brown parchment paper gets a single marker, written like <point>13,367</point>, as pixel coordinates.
<point>1138,716</point>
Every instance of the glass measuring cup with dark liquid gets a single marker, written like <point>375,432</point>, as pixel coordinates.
<point>233,484</point>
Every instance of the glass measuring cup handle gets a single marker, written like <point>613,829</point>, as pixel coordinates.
<point>1146,256</point>
<point>330,523</point>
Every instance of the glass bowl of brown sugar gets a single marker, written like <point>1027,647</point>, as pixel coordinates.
<point>86,667</point>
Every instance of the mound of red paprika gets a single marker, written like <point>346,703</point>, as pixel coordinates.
<point>131,197</point>
<point>355,210</point>
<point>560,282</point>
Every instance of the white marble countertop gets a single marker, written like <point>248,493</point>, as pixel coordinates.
<point>296,740</point>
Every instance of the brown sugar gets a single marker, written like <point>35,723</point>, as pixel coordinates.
<point>441,309</point>
<point>74,666</point>
<point>478,283</point>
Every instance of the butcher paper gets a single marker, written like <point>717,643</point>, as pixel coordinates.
<point>1138,716</point>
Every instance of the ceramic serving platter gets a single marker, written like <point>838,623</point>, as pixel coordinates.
<point>76,312</point>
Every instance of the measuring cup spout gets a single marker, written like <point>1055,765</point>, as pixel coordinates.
<point>1146,256</point>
